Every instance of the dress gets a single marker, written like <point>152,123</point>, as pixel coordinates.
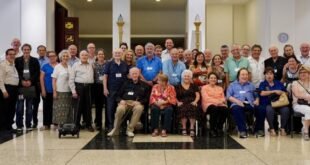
<point>187,110</point>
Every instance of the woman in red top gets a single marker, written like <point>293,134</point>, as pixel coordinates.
<point>163,97</point>
<point>200,70</point>
<point>214,103</point>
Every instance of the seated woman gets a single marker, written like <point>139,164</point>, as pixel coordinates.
<point>241,94</point>
<point>271,89</point>
<point>162,100</point>
<point>188,97</point>
<point>214,103</point>
<point>199,69</point>
<point>301,98</point>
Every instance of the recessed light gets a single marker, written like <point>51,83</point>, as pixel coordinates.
<point>89,0</point>
<point>157,0</point>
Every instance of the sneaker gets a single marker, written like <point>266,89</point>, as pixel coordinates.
<point>130,134</point>
<point>113,132</point>
<point>243,135</point>
<point>260,133</point>
<point>28,129</point>
<point>306,136</point>
<point>19,129</point>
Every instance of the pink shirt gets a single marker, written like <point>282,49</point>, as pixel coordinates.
<point>211,95</point>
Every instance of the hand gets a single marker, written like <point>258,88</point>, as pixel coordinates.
<point>55,95</point>
<point>24,83</point>
<point>221,104</point>
<point>122,102</point>
<point>256,102</point>
<point>43,93</point>
<point>5,94</point>
<point>278,92</point>
<point>106,92</point>
<point>161,102</point>
<point>240,103</point>
<point>135,103</point>
<point>180,104</point>
<point>75,95</point>
<point>194,103</point>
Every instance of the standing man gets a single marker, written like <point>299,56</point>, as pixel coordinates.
<point>245,50</point>
<point>165,55</point>
<point>41,50</point>
<point>304,58</point>
<point>257,65</point>
<point>139,51</point>
<point>276,62</point>
<point>15,44</point>
<point>208,56</point>
<point>158,51</point>
<point>8,90</point>
<point>224,52</point>
<point>73,54</point>
<point>91,49</point>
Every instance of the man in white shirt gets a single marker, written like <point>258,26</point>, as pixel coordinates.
<point>16,46</point>
<point>304,58</point>
<point>257,65</point>
<point>91,49</point>
<point>165,55</point>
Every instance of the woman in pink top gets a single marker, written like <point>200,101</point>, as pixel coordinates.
<point>214,103</point>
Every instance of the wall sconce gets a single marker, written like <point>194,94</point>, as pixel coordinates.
<point>120,23</point>
<point>197,24</point>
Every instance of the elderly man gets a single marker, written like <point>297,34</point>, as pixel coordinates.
<point>276,62</point>
<point>165,55</point>
<point>139,51</point>
<point>173,68</point>
<point>208,56</point>
<point>304,58</point>
<point>257,65</point>
<point>234,63</point>
<point>131,97</point>
<point>224,52</point>
<point>91,49</point>
<point>81,77</point>
<point>73,54</point>
<point>188,57</point>
<point>15,44</point>
<point>245,50</point>
<point>8,90</point>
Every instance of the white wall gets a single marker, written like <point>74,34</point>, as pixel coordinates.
<point>302,23</point>
<point>251,22</point>
<point>239,24</point>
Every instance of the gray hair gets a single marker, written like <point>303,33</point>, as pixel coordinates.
<point>62,53</point>
<point>185,72</point>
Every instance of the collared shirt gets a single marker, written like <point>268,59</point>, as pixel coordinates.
<point>243,92</point>
<point>73,61</point>
<point>48,70</point>
<point>81,73</point>
<point>99,72</point>
<point>232,66</point>
<point>43,60</point>
<point>61,74</point>
<point>304,60</point>
<point>165,55</point>
<point>92,60</point>
<point>149,68</point>
<point>134,91</point>
<point>117,74</point>
<point>8,75</point>
<point>265,86</point>
<point>169,94</point>
<point>173,71</point>
<point>211,95</point>
<point>257,70</point>
<point>277,66</point>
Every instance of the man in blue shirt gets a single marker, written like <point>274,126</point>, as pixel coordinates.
<point>149,65</point>
<point>173,68</point>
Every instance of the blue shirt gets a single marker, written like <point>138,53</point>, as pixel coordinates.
<point>173,71</point>
<point>245,92</point>
<point>73,61</point>
<point>149,68</point>
<point>265,100</point>
<point>48,70</point>
<point>43,60</point>
<point>117,74</point>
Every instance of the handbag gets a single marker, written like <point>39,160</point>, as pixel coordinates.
<point>303,101</point>
<point>279,101</point>
<point>28,92</point>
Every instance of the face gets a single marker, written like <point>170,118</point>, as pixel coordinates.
<point>244,76</point>
<point>224,52</point>
<point>123,47</point>
<point>217,61</point>
<point>26,50</point>
<point>304,49</point>
<point>174,55</point>
<point>180,50</point>
<point>11,56</point>
<point>134,74</point>
<point>200,59</point>
<point>235,51</point>
<point>208,55</point>
<point>100,55</point>
<point>288,51</point>
<point>187,78</point>
<point>162,83</point>
<point>41,51</point>
<point>273,51</point>
<point>91,48</point>
<point>158,51</point>
<point>188,56</point>
<point>52,57</point>
<point>292,62</point>
<point>84,57</point>
<point>212,79</point>
<point>256,52</point>
<point>65,57</point>
<point>129,56</point>
<point>15,44</point>
<point>139,51</point>
<point>149,50</point>
<point>269,76</point>
<point>246,51</point>
<point>72,50</point>
<point>303,75</point>
<point>117,54</point>
<point>169,44</point>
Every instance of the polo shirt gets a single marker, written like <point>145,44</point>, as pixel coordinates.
<point>232,66</point>
<point>117,74</point>
<point>149,68</point>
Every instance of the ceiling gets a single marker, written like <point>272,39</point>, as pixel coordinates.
<point>144,4</point>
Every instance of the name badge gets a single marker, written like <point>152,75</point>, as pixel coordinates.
<point>174,75</point>
<point>237,69</point>
<point>219,81</point>
<point>242,92</point>
<point>130,93</point>
<point>118,75</point>
<point>26,71</point>
<point>149,68</point>
<point>101,78</point>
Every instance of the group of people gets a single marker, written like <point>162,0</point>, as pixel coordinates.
<point>169,85</point>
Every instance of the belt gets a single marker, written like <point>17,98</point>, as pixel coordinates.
<point>83,84</point>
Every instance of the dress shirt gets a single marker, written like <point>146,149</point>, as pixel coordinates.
<point>257,70</point>
<point>81,73</point>
<point>74,60</point>
<point>264,86</point>
<point>149,68</point>
<point>304,60</point>
<point>173,71</point>
<point>243,92</point>
<point>43,60</point>
<point>165,55</point>
<point>8,75</point>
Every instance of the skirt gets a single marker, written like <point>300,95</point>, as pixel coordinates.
<point>62,108</point>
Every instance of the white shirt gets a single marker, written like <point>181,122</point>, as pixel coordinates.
<point>165,55</point>
<point>81,73</point>
<point>61,74</point>
<point>8,75</point>
<point>257,70</point>
<point>304,60</point>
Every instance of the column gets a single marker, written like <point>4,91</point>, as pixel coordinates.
<point>121,7</point>
<point>195,7</point>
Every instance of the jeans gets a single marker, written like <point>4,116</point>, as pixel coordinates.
<point>111,108</point>
<point>20,112</point>
<point>156,112</point>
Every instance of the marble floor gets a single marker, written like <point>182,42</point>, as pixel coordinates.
<point>44,147</point>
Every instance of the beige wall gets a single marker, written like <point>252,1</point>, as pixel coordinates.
<point>251,22</point>
<point>239,24</point>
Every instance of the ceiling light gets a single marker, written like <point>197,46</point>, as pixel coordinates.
<point>157,0</point>
<point>89,0</point>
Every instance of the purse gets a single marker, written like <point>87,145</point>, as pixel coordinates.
<point>279,101</point>
<point>28,92</point>
<point>303,101</point>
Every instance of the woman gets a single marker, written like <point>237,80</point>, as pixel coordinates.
<point>271,89</point>
<point>217,67</point>
<point>194,52</point>
<point>98,86</point>
<point>129,57</point>
<point>163,97</point>
<point>214,103</point>
<point>290,73</point>
<point>288,51</point>
<point>62,109</point>
<point>188,97</point>
<point>301,98</point>
<point>241,94</point>
<point>200,70</point>
<point>47,89</point>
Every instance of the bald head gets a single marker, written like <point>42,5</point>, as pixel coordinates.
<point>134,74</point>
<point>273,51</point>
<point>304,49</point>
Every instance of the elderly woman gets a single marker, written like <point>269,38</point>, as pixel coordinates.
<point>163,97</point>
<point>199,69</point>
<point>188,97</point>
<point>214,103</point>
<point>47,89</point>
<point>301,98</point>
<point>62,112</point>
<point>271,89</point>
<point>129,57</point>
<point>217,68</point>
<point>241,94</point>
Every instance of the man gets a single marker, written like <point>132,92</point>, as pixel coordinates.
<point>208,56</point>
<point>149,65</point>
<point>245,50</point>
<point>234,63</point>
<point>181,57</point>
<point>28,69</point>
<point>224,52</point>
<point>131,97</point>
<point>8,90</point>
<point>139,51</point>
<point>81,78</point>
<point>158,51</point>
<point>41,50</point>
<point>73,53</point>
<point>165,55</point>
<point>304,58</point>
<point>188,57</point>
<point>276,62</point>
<point>15,44</point>
<point>173,68</point>
<point>115,73</point>
<point>257,65</point>
<point>91,49</point>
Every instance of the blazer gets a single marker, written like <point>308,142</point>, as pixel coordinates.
<point>34,69</point>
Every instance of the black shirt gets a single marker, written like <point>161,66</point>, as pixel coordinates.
<point>277,66</point>
<point>117,74</point>
<point>134,91</point>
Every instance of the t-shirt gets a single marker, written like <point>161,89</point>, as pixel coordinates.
<point>61,74</point>
<point>48,70</point>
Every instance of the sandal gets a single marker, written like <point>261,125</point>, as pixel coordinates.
<point>163,133</point>
<point>184,132</point>
<point>192,133</point>
<point>155,133</point>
